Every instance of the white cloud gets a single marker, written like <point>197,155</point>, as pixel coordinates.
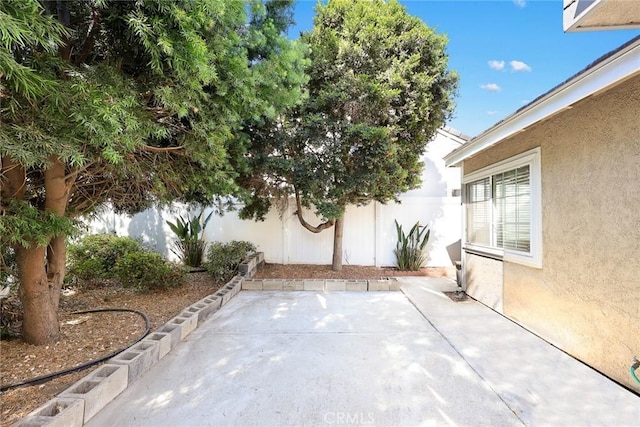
<point>491,87</point>
<point>520,3</point>
<point>496,65</point>
<point>492,113</point>
<point>519,66</point>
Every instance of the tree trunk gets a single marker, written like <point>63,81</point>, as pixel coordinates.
<point>305,224</point>
<point>56,267</point>
<point>40,319</point>
<point>40,281</point>
<point>40,323</point>
<point>58,188</point>
<point>337,244</point>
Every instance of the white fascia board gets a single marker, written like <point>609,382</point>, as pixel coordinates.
<point>618,67</point>
<point>598,15</point>
<point>451,136</point>
<point>569,19</point>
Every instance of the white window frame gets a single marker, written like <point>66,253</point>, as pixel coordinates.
<point>534,257</point>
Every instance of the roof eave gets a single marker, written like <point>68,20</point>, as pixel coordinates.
<point>597,15</point>
<point>453,134</point>
<point>609,72</point>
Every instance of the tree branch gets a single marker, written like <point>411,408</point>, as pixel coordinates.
<point>73,174</point>
<point>15,179</point>
<point>305,224</point>
<point>89,40</point>
<point>57,188</point>
<point>152,149</point>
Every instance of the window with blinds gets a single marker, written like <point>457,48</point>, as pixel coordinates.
<point>479,212</point>
<point>512,207</point>
<point>499,210</point>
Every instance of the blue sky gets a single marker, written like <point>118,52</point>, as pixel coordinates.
<point>507,52</point>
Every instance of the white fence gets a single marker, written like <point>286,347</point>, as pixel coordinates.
<point>369,231</point>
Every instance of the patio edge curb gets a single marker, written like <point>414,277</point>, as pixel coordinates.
<point>389,284</point>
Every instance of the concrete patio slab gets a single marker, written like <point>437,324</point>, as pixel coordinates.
<point>415,357</point>
<point>311,358</point>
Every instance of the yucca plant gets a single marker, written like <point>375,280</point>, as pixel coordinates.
<point>410,248</point>
<point>190,232</point>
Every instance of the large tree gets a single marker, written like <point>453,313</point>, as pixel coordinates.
<point>129,103</point>
<point>379,89</point>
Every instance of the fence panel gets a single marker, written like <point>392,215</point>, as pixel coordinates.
<point>369,231</point>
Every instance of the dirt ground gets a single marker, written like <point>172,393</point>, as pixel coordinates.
<point>86,337</point>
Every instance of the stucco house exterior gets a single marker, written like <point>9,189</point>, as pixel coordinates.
<point>551,214</point>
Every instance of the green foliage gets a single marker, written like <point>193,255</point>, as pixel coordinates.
<point>95,256</point>
<point>190,232</point>
<point>129,104</point>
<point>144,102</point>
<point>108,257</point>
<point>23,224</point>
<point>410,248</point>
<point>24,26</point>
<point>379,89</point>
<point>146,271</point>
<point>223,258</point>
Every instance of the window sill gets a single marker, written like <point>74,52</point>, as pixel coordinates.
<point>502,255</point>
<point>526,260</point>
<point>484,252</point>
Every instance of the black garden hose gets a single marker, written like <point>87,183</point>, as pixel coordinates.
<point>48,377</point>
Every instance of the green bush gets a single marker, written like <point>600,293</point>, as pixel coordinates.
<point>95,256</point>
<point>223,258</point>
<point>190,233</point>
<point>410,248</point>
<point>145,271</point>
<point>103,257</point>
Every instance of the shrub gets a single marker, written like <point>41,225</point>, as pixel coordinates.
<point>145,271</point>
<point>410,248</point>
<point>102,257</point>
<point>190,245</point>
<point>223,258</point>
<point>95,256</point>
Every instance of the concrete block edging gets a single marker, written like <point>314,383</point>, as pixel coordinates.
<point>76,405</point>
<point>321,285</point>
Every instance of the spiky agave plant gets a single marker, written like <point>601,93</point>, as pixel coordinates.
<point>190,245</point>
<point>410,247</point>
